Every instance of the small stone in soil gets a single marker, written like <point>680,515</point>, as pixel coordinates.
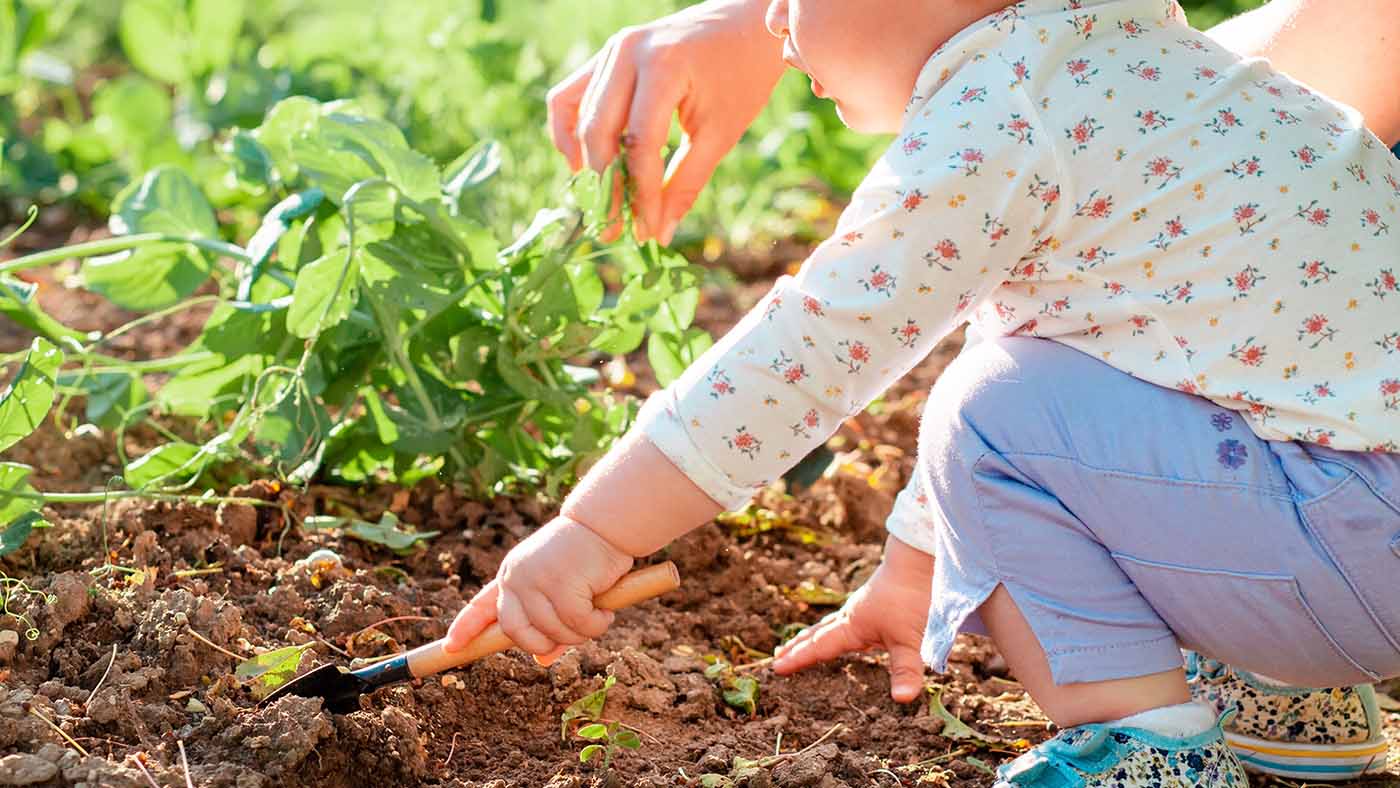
<point>25,769</point>
<point>9,642</point>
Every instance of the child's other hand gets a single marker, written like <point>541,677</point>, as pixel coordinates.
<point>889,612</point>
<point>543,592</point>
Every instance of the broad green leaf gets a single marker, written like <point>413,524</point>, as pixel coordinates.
<point>17,531</point>
<point>14,478</point>
<point>192,392</point>
<point>326,289</point>
<point>271,669</point>
<point>251,162</point>
<point>594,731</point>
<point>155,36</point>
<point>110,395</point>
<point>287,119</point>
<point>589,707</point>
<point>587,753</point>
<point>27,399</point>
<point>628,739</point>
<point>472,169</point>
<point>341,150</point>
<point>670,354</point>
<point>148,278</point>
<point>166,200</point>
<point>215,25</point>
<point>622,337</point>
<point>168,460</point>
<point>385,532</point>
<point>18,303</point>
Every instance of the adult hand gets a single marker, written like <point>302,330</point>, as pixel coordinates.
<point>713,63</point>
<point>888,612</point>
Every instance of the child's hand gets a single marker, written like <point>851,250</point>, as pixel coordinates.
<point>889,611</point>
<point>543,592</point>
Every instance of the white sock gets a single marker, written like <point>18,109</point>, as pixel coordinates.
<point>1179,721</point>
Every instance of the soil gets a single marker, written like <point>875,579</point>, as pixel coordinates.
<point>141,611</point>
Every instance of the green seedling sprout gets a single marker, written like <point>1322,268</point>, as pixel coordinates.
<point>10,589</point>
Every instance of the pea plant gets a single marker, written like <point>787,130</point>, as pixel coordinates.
<point>370,328</point>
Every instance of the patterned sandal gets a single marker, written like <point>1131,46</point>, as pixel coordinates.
<point>1306,734</point>
<point>1103,756</point>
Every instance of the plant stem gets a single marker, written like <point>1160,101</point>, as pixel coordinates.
<point>119,243</point>
<point>101,496</point>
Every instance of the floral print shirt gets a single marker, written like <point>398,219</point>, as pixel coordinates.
<point>1098,173</point>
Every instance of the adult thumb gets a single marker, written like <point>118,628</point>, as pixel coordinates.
<point>688,172</point>
<point>906,673</point>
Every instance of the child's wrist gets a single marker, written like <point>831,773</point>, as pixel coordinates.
<point>902,557</point>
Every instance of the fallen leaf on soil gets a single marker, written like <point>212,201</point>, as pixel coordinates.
<point>954,728</point>
<point>272,669</point>
<point>385,532</point>
<point>815,594</point>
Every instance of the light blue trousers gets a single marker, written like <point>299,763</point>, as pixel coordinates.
<point>1127,520</point>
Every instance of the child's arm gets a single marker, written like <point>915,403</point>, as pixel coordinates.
<point>1343,48</point>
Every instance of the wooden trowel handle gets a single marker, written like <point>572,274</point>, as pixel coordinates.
<point>638,586</point>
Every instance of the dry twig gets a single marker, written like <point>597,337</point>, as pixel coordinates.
<point>98,686</point>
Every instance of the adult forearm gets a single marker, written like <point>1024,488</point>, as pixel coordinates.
<point>1344,48</point>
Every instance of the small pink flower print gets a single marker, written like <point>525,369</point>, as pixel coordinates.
<point>1393,183</point>
<point>1027,268</point>
<point>879,281</point>
<point>1317,392</point>
<point>1131,28</point>
<point>1018,128</point>
<point>1314,214</point>
<point>1027,329</point>
<point>1091,257</point>
<point>1247,217</point>
<point>1187,386</point>
<point>849,239</point>
<point>1192,44</point>
<point>1334,129</point>
<point>1171,231</point>
<point>1270,88</point>
<point>1224,120</point>
<point>1095,206</point>
<point>1163,169</point>
<point>907,334</point>
<point>1257,408</point>
<point>1285,118</point>
<point>1358,172</point>
<point>1315,328</point>
<point>1244,281</point>
<point>1140,323</point>
<point>964,301</point>
<point>1114,289</point>
<point>994,229</point>
<point>1079,68</point>
<point>1145,70</point>
<point>1185,345</point>
<point>1152,120</point>
<point>1371,220</point>
<point>913,143</point>
<point>1384,284</point>
<point>1248,353</point>
<point>943,252</point>
<point>1306,157</point>
<point>1095,331</point>
<point>911,199</point>
<point>744,441</point>
<point>967,160</point>
<point>809,421</point>
<point>1055,308</point>
<point>1083,24</point>
<point>1007,17</point>
<point>1390,343</point>
<point>1177,294</point>
<point>1207,74</point>
<point>1319,436</point>
<point>1390,393</point>
<point>1246,167</point>
<point>812,306</point>
<point>1020,69</point>
<point>1315,272</point>
<point>1048,193</point>
<point>971,96</point>
<point>720,385</point>
<point>1082,133</point>
<point>791,371</point>
<point>853,353</point>
<point>1005,312</point>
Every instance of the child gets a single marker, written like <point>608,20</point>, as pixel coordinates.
<point>1180,424</point>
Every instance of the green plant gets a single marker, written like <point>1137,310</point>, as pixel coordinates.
<point>739,691</point>
<point>611,738</point>
<point>10,589</point>
<point>271,669</point>
<point>371,328</point>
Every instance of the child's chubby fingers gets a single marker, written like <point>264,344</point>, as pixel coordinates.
<point>545,618</point>
<point>473,618</point>
<point>518,626</point>
<point>826,640</point>
<point>906,673</point>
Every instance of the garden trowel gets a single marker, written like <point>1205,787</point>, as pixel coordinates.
<point>341,688</point>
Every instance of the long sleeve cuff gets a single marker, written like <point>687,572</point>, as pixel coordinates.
<point>659,422</point>
<point>910,521</point>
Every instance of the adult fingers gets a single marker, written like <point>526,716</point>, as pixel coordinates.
<point>648,124</point>
<point>689,171</point>
<point>473,618</point>
<point>603,112</point>
<point>906,673</point>
<point>827,640</point>
<point>517,626</point>
<point>562,108</point>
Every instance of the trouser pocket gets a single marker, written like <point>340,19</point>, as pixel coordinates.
<point>1360,532</point>
<point>1260,622</point>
